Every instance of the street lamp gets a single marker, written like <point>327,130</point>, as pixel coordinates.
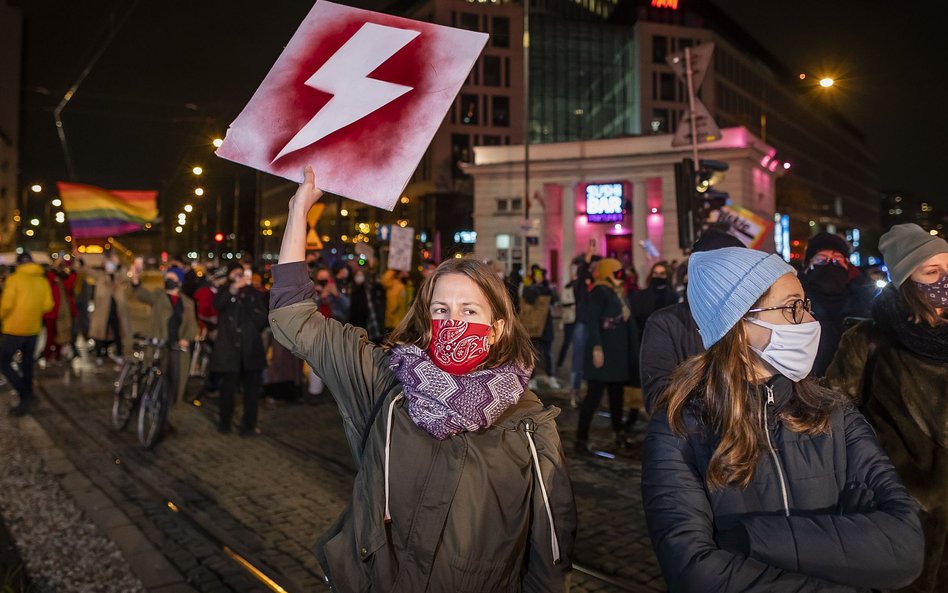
<point>217,142</point>
<point>197,170</point>
<point>57,202</point>
<point>188,208</point>
<point>826,82</point>
<point>199,191</point>
<point>37,188</point>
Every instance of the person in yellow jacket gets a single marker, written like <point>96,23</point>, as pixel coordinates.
<point>396,297</point>
<point>26,297</point>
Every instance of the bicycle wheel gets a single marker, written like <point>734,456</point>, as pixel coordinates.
<point>153,410</point>
<point>126,395</point>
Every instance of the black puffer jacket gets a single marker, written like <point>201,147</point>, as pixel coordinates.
<point>671,337</point>
<point>791,536</point>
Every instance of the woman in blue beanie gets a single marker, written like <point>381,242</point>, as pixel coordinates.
<point>754,477</point>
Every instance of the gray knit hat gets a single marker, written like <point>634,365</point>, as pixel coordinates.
<point>723,284</point>
<point>905,247</point>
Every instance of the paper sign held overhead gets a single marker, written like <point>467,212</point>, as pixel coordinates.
<point>356,94</point>
<point>400,248</point>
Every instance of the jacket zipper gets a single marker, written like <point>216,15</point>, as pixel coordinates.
<point>773,452</point>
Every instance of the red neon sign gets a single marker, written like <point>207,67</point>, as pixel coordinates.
<point>673,4</point>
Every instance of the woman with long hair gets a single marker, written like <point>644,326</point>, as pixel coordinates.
<point>895,366</point>
<point>461,482</point>
<point>754,477</point>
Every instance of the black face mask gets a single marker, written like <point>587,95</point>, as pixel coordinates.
<point>322,283</point>
<point>827,280</point>
<point>658,283</point>
<point>171,284</point>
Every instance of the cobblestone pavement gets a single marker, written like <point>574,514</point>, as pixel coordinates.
<point>266,498</point>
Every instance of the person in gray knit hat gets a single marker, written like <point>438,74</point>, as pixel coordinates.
<point>895,366</point>
<point>755,478</point>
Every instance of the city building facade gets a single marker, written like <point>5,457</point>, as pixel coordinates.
<point>573,183</point>
<point>598,70</point>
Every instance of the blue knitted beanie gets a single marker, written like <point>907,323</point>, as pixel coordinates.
<point>725,283</point>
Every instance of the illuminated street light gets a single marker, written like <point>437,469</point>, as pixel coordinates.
<point>826,82</point>
<point>29,232</point>
<point>37,188</point>
<point>178,229</point>
<point>57,203</point>
<point>197,170</point>
<point>217,142</point>
<point>199,191</point>
<point>188,208</point>
<point>344,212</point>
<point>60,217</point>
<point>34,221</point>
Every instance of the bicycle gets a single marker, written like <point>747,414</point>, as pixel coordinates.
<point>142,386</point>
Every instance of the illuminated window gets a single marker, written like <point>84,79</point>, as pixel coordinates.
<point>469,110</point>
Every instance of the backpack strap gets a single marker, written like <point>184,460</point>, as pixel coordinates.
<point>376,408</point>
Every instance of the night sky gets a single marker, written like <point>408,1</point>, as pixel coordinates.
<point>179,71</point>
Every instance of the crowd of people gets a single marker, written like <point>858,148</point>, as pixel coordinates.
<point>795,425</point>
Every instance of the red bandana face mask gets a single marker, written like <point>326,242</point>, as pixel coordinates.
<point>458,347</point>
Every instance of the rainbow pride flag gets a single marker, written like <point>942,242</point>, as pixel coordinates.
<point>99,213</point>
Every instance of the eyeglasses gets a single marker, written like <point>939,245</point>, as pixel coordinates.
<point>798,310</point>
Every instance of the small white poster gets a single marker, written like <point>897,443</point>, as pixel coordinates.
<point>400,248</point>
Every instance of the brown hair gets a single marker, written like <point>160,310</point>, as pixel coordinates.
<point>718,387</point>
<point>919,305</point>
<point>511,346</point>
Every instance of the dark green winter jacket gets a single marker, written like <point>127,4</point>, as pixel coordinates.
<point>467,513</point>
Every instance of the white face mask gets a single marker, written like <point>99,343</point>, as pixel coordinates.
<point>792,348</point>
<point>110,267</point>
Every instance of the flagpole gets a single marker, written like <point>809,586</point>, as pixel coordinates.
<point>526,131</point>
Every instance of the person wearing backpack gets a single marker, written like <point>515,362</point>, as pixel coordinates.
<point>895,367</point>
<point>462,482</point>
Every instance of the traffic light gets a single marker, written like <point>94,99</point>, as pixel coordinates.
<point>696,197</point>
<point>707,198</point>
<point>218,237</point>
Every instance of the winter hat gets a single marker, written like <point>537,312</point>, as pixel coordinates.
<point>824,240</point>
<point>725,283</point>
<point>905,247</point>
<point>219,273</point>
<point>24,258</point>
<point>607,267</point>
<point>713,239</point>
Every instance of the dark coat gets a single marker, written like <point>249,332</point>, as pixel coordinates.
<point>619,344</point>
<point>908,406</point>
<point>241,318</point>
<point>649,300</point>
<point>467,513</point>
<point>811,548</point>
<point>671,337</point>
<point>832,310</point>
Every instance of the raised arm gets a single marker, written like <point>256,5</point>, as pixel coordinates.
<point>355,370</point>
<point>293,248</point>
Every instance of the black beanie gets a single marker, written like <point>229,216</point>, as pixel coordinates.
<point>713,239</point>
<point>824,240</point>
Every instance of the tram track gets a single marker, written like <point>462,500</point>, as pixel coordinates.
<point>127,457</point>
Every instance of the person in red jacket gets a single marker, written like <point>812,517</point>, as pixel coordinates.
<point>58,322</point>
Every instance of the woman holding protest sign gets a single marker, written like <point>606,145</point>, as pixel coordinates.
<point>461,482</point>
